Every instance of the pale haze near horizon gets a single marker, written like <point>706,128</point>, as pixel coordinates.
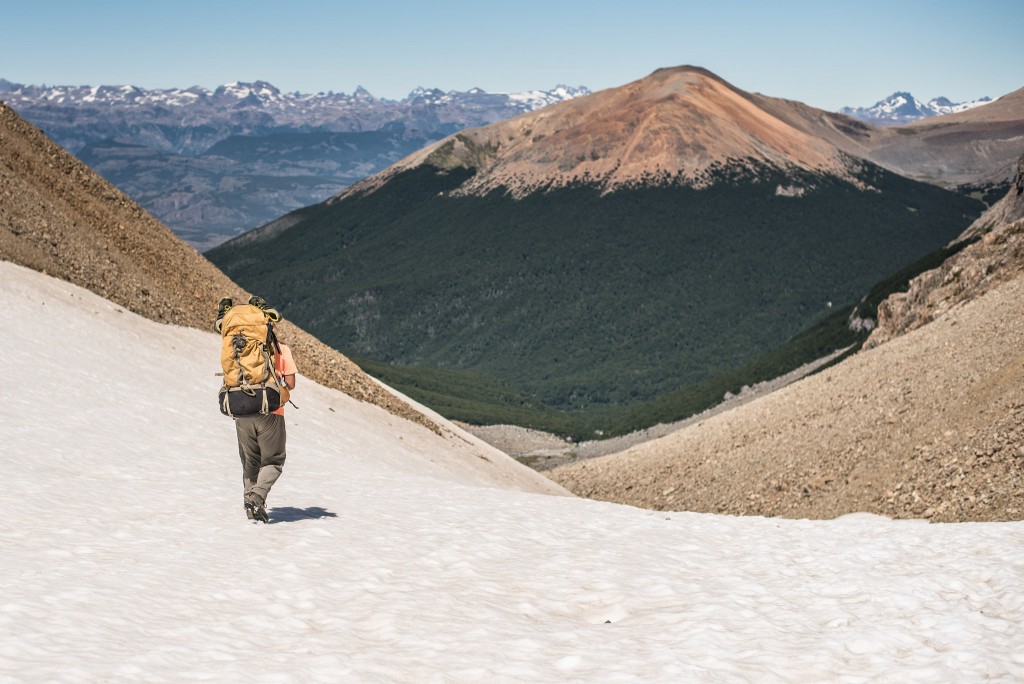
<point>824,54</point>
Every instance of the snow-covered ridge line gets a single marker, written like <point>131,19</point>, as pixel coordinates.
<point>902,107</point>
<point>260,93</point>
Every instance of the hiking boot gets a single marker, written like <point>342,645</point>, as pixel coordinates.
<point>255,509</point>
<point>258,302</point>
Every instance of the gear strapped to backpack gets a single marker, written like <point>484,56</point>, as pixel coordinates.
<point>251,383</point>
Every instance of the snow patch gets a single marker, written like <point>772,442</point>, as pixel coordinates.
<point>790,191</point>
<point>389,558</point>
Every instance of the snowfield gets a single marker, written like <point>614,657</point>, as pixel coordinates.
<point>391,556</point>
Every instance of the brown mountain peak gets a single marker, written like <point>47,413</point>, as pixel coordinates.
<point>676,125</point>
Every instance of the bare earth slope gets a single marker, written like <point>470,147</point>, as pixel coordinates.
<point>58,217</point>
<point>930,425</point>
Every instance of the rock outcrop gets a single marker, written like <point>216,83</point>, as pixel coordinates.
<point>996,255</point>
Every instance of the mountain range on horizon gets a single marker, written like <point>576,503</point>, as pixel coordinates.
<point>254,108</point>
<point>263,92</point>
<point>213,164</point>
<point>898,108</point>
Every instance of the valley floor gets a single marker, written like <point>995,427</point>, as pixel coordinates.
<point>544,451</point>
<point>394,554</point>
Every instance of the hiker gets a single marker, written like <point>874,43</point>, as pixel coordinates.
<point>257,409</point>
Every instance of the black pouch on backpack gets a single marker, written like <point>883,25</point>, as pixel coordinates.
<point>247,402</point>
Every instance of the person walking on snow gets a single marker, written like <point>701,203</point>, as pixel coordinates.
<point>262,436</point>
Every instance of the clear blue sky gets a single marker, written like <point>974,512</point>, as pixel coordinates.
<point>825,53</point>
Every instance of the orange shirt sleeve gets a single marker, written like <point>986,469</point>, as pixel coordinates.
<point>284,363</point>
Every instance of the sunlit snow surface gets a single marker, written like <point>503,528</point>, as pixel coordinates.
<point>126,555</point>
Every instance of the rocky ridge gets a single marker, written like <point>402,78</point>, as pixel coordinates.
<point>976,146</point>
<point>686,125</point>
<point>996,256</point>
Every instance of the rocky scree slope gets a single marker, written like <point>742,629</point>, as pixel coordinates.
<point>60,218</point>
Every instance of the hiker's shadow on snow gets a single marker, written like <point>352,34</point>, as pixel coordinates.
<point>292,514</point>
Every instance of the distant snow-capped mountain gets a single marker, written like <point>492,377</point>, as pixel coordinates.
<point>176,150</point>
<point>244,108</point>
<point>190,121</point>
<point>902,108</point>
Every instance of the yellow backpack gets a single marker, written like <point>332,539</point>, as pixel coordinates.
<point>251,384</point>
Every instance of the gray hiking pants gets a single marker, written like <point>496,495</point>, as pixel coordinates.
<point>261,447</point>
